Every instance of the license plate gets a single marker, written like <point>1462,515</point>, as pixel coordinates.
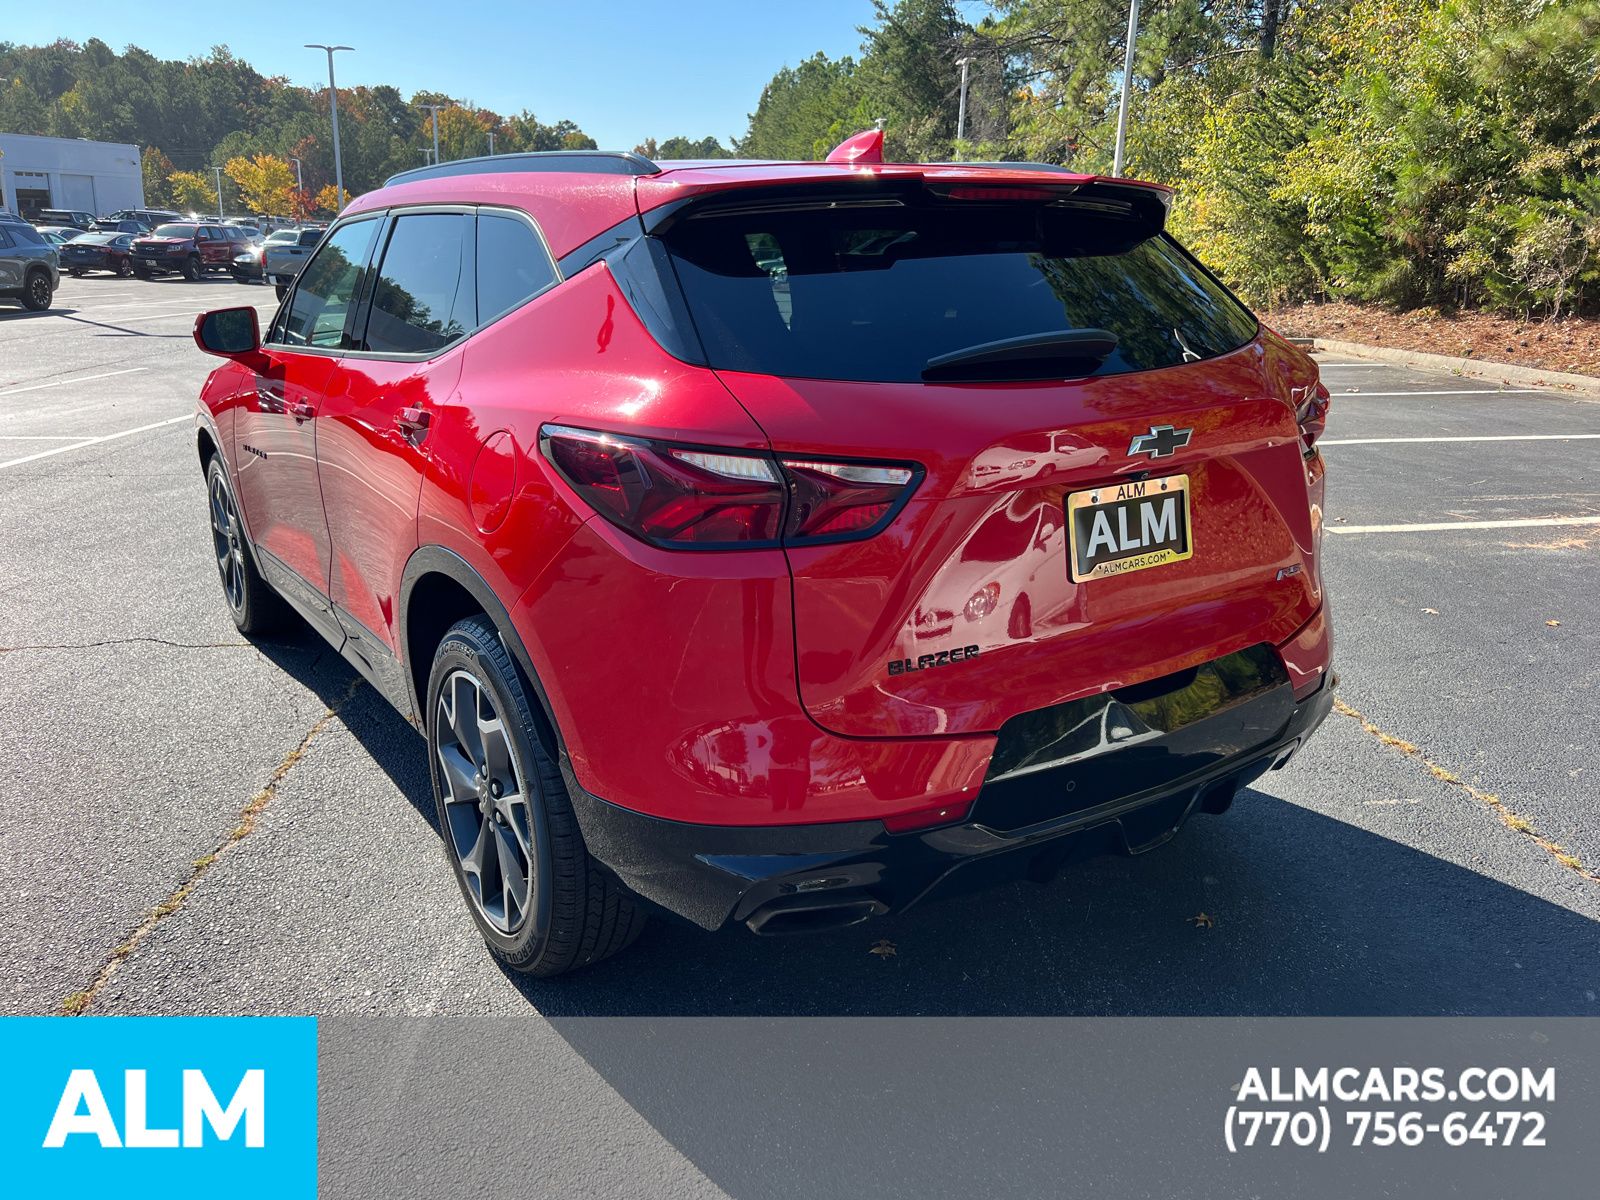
<point>1129,526</point>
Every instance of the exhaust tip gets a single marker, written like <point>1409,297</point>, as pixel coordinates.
<point>813,914</point>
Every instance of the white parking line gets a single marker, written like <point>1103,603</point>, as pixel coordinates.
<point>1503,437</point>
<point>1444,526</point>
<point>34,387</point>
<point>94,441</point>
<point>42,437</point>
<point>1488,391</point>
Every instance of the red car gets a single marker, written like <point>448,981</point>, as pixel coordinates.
<point>188,248</point>
<point>780,543</point>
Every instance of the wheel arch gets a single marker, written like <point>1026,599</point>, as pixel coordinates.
<point>437,589</point>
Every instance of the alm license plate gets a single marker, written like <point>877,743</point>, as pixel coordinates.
<point>1129,526</point>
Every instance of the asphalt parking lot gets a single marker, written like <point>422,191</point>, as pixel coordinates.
<point>1435,850</point>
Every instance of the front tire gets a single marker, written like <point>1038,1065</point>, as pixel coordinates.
<point>540,901</point>
<point>253,605</point>
<point>191,268</point>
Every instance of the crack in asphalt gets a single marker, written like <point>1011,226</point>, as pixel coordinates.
<point>130,641</point>
<point>79,1003</point>
<point>1508,817</point>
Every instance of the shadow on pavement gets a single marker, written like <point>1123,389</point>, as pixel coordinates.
<point>1311,916</point>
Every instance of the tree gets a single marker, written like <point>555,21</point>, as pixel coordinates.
<point>192,191</point>
<point>266,183</point>
<point>328,201</point>
<point>155,167</point>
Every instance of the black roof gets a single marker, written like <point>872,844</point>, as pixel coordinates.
<point>592,162</point>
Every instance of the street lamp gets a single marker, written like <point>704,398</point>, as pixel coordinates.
<point>434,109</point>
<point>1127,82</point>
<point>333,100</point>
<point>218,170</point>
<point>961,111</point>
<point>299,178</point>
<point>491,143</point>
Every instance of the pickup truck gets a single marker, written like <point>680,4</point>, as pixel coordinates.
<point>287,251</point>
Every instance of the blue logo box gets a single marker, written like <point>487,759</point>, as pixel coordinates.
<point>145,1106</point>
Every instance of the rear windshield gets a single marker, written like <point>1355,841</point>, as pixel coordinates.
<point>874,291</point>
<point>282,236</point>
<point>175,231</point>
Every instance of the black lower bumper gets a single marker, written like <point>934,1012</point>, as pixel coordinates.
<point>1116,773</point>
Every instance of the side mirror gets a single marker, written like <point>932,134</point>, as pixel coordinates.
<point>231,333</point>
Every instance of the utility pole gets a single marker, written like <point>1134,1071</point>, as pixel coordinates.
<point>333,100</point>
<point>491,143</point>
<point>218,170</point>
<point>961,111</point>
<point>1127,83</point>
<point>434,109</point>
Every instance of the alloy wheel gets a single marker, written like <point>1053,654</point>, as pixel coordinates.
<point>226,541</point>
<point>39,286</point>
<point>489,822</point>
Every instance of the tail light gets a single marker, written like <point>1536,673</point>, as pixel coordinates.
<point>706,498</point>
<point>1311,412</point>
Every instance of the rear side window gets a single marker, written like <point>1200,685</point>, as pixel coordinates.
<point>423,299</point>
<point>874,291</point>
<point>309,237</point>
<point>513,265</point>
<point>28,234</point>
<point>5,240</point>
<point>325,292</point>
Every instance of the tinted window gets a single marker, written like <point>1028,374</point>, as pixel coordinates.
<point>872,292</point>
<point>513,264</point>
<point>28,234</point>
<point>5,240</point>
<point>310,237</point>
<point>423,298</point>
<point>324,293</point>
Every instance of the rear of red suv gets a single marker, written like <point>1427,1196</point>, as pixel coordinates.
<point>848,535</point>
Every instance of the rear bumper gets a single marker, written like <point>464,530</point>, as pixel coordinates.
<point>1117,773</point>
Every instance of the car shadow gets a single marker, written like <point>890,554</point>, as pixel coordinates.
<point>1270,909</point>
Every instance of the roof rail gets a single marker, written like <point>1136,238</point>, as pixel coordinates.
<point>593,162</point>
<point>1037,166</point>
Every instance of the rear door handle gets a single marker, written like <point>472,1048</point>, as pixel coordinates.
<point>413,423</point>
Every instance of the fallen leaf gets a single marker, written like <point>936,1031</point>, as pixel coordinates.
<point>1203,921</point>
<point>883,948</point>
<point>1553,624</point>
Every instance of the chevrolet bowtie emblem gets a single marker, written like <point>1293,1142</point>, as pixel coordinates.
<point>1163,441</point>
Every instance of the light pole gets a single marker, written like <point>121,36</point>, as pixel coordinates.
<point>961,111</point>
<point>299,177</point>
<point>491,143</point>
<point>434,109</point>
<point>333,100</point>
<point>218,170</point>
<point>1127,83</point>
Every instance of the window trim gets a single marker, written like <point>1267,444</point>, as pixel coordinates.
<point>294,288</point>
<point>363,314</point>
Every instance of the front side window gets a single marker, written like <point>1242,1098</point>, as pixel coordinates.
<point>319,309</point>
<point>513,265</point>
<point>423,298</point>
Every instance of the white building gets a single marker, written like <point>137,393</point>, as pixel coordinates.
<point>50,172</point>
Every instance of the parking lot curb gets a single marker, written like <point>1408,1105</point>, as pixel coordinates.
<point>1586,386</point>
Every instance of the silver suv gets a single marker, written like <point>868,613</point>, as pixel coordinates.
<point>29,266</point>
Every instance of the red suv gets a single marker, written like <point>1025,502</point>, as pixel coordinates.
<point>778,543</point>
<point>188,248</point>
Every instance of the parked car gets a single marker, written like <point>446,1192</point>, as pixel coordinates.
<point>286,255</point>
<point>57,234</point>
<point>29,271</point>
<point>77,218</point>
<point>99,252</point>
<point>185,247</point>
<point>994,545</point>
<point>248,265</point>
<point>124,225</point>
<point>151,217</point>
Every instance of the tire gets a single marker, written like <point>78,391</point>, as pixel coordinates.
<point>253,605</point>
<point>191,268</point>
<point>37,291</point>
<point>75,272</point>
<point>565,912</point>
<point>142,272</point>
<point>282,289</point>
<point>123,268</point>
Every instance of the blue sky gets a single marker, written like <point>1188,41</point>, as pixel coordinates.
<point>622,69</point>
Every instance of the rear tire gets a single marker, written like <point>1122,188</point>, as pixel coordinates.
<point>253,605</point>
<point>542,904</point>
<point>282,289</point>
<point>37,291</point>
<point>123,269</point>
<point>75,272</point>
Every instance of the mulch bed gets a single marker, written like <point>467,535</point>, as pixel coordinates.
<point>1570,344</point>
